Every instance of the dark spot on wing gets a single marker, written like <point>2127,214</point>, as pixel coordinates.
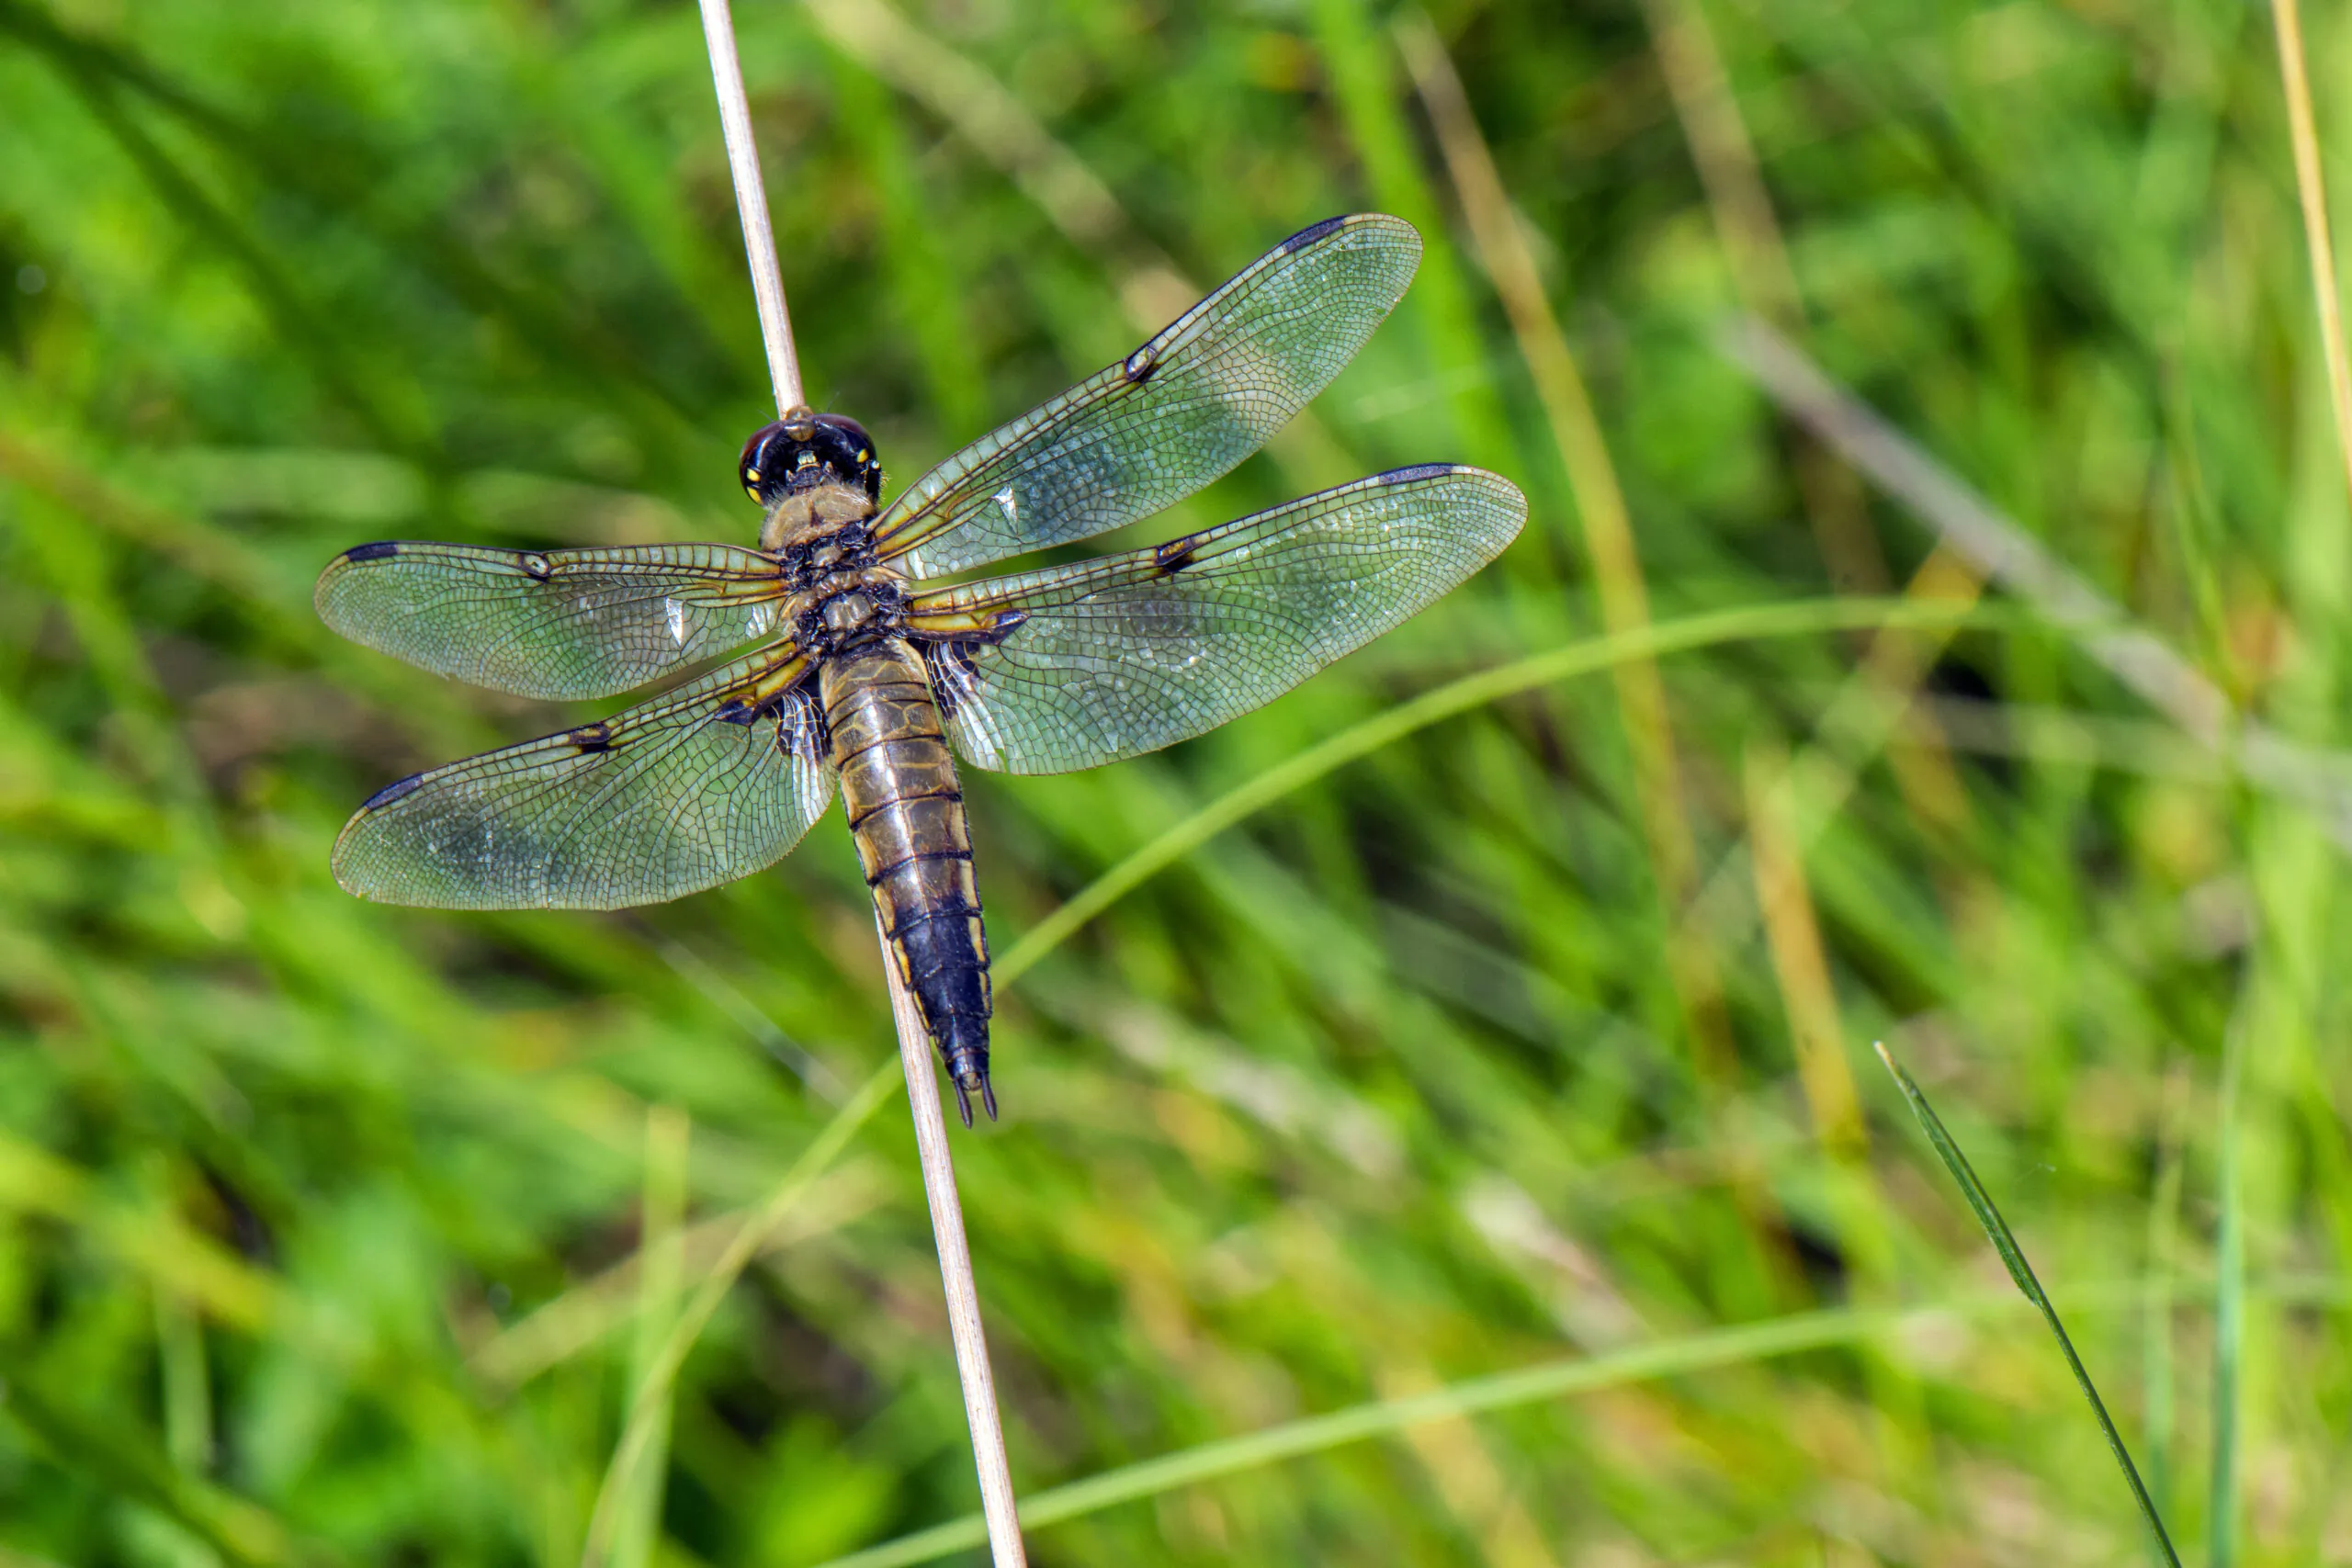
<point>391,793</point>
<point>370,552</point>
<point>735,710</point>
<point>592,737</point>
<point>1417,471</point>
<point>1140,365</point>
<point>1174,556</point>
<point>535,564</point>
<point>1306,237</point>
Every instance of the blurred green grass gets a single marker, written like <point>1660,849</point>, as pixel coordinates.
<point>1395,1083</point>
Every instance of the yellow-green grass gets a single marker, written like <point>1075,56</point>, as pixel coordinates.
<point>1396,1045</point>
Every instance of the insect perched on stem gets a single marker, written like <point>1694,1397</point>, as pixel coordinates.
<point>865,674</point>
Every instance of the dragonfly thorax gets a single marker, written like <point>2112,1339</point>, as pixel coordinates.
<point>839,594</point>
<point>846,608</point>
<point>802,522</point>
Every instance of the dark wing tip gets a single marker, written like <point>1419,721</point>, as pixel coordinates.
<point>1316,233</point>
<point>391,793</point>
<point>1502,505</point>
<point>1421,471</point>
<point>331,581</point>
<point>1311,234</point>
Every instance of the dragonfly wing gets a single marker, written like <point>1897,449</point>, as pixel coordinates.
<point>1081,665</point>
<point>554,624</point>
<point>707,784</point>
<point>1179,412</point>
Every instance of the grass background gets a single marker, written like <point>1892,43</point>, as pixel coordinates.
<point>1538,1034</point>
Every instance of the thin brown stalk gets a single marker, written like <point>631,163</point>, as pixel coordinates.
<point>1867,715</point>
<point>1745,222</point>
<point>2310,188</point>
<point>1152,287</point>
<point>1800,964</point>
<point>1801,969</point>
<point>642,1431</point>
<point>1005,1549</point>
<point>752,204</point>
<point>2000,548</point>
<point>1503,252</point>
<point>652,1387</point>
<point>1756,259</point>
<point>1761,274</point>
<point>588,1311</point>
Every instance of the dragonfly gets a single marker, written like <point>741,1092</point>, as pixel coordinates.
<point>843,660</point>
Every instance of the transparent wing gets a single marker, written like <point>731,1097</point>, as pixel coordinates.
<point>1176,414</point>
<point>1084,664</point>
<point>707,784</point>
<point>558,623</point>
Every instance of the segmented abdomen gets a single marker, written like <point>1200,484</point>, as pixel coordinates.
<point>907,813</point>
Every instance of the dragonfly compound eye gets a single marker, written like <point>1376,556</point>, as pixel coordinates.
<point>761,467</point>
<point>846,453</point>
<point>804,449</point>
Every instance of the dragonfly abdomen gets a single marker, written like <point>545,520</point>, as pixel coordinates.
<point>906,812</point>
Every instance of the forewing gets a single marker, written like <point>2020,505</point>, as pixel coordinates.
<point>1181,410</point>
<point>554,624</point>
<point>1081,665</point>
<point>707,784</point>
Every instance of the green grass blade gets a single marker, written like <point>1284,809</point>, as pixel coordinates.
<point>1747,622</point>
<point>638,1510</point>
<point>646,1421</point>
<point>1748,1342</point>
<point>2229,1313</point>
<point>1996,1230</point>
<point>1316,1434</point>
<point>2156,1328</point>
<point>242,1531</point>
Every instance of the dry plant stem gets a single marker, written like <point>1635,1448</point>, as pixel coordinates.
<point>1766,282</point>
<point>645,1410</point>
<point>2311,187</point>
<point>1725,158</point>
<point>1759,270</point>
<point>956,1271</point>
<point>2001,549</point>
<point>914,1039</point>
<point>1503,252</point>
<point>1072,197</point>
<point>752,202</point>
<point>1477,1493</point>
<point>1800,961</point>
<point>1800,968</point>
<point>1866,717</point>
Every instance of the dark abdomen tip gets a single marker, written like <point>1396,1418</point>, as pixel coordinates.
<point>964,1046</point>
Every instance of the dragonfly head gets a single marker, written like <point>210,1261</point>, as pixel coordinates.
<point>806,448</point>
